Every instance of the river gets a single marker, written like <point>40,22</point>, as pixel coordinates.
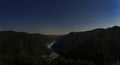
<point>53,55</point>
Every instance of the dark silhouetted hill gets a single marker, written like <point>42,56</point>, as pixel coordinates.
<point>99,45</point>
<point>20,42</point>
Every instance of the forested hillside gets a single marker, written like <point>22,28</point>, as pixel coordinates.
<point>94,47</point>
<point>99,45</point>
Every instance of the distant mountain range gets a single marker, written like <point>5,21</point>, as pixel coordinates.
<point>98,45</point>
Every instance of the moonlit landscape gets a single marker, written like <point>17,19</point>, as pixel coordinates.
<point>59,32</point>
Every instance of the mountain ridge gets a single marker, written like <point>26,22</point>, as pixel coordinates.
<point>98,45</point>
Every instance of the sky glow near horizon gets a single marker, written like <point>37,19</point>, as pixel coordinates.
<point>58,16</point>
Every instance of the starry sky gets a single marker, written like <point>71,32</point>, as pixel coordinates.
<point>58,16</point>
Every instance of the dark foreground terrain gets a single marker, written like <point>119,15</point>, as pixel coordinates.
<point>94,47</point>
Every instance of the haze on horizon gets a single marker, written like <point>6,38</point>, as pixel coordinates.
<point>58,16</point>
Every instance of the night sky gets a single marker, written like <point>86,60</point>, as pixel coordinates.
<point>58,16</point>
